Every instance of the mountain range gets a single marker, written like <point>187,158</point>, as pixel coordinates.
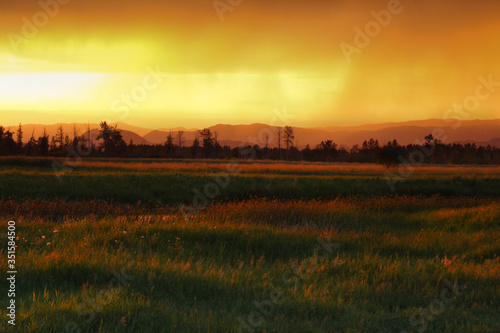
<point>480,132</point>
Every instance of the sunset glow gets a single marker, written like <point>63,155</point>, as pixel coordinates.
<point>67,62</point>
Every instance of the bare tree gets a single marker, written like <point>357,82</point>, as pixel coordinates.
<point>180,134</point>
<point>266,141</point>
<point>216,135</point>
<point>216,143</point>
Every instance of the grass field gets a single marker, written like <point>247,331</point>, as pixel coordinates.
<point>219,246</point>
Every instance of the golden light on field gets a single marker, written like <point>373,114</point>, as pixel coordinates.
<point>236,66</point>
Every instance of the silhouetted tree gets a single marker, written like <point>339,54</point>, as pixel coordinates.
<point>208,142</point>
<point>169,145</point>
<point>59,137</point>
<point>7,143</point>
<point>67,141</point>
<point>196,145</point>
<point>89,145</point>
<point>217,146</point>
<point>31,146</point>
<point>391,153</point>
<point>19,139</point>
<point>112,144</point>
<point>43,143</point>
<point>53,144</point>
<point>279,135</point>
<point>327,149</point>
<point>76,138</point>
<point>112,139</point>
<point>288,137</point>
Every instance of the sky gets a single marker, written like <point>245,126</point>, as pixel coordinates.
<point>193,64</point>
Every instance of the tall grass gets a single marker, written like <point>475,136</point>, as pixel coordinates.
<point>393,258</point>
<point>91,258</point>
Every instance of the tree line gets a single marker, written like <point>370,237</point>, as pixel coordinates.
<point>109,143</point>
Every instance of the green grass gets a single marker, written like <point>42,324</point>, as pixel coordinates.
<point>172,182</point>
<point>91,258</point>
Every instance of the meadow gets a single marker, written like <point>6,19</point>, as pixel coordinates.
<point>251,246</point>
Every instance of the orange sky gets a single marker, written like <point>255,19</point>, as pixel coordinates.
<point>92,60</point>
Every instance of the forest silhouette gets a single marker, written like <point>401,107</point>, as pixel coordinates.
<point>109,143</point>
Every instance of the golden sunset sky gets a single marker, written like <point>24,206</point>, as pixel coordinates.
<point>88,60</point>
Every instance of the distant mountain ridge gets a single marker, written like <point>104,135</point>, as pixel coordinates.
<point>481,132</point>
<point>37,130</point>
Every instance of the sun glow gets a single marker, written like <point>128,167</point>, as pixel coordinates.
<point>28,90</point>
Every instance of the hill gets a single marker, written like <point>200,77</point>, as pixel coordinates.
<point>481,132</point>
